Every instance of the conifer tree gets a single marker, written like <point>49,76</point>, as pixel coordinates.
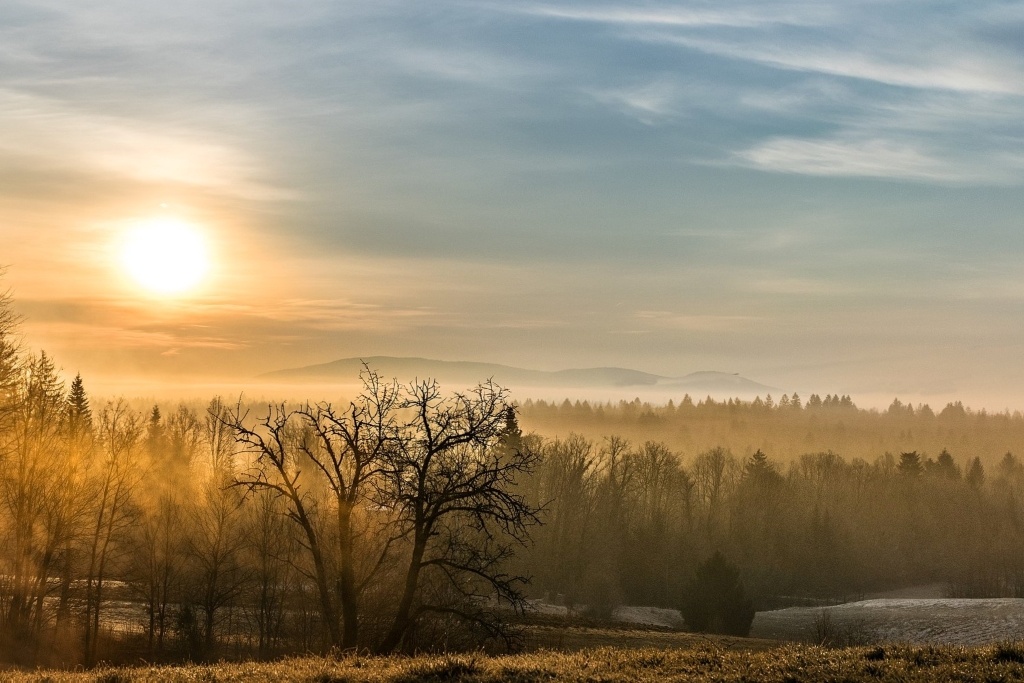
<point>715,601</point>
<point>78,412</point>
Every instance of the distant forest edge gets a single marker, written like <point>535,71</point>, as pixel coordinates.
<point>185,532</point>
<point>787,427</point>
<point>469,373</point>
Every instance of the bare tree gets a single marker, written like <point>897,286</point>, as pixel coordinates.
<point>275,466</point>
<point>713,473</point>
<point>10,361</point>
<point>272,548</point>
<point>157,562</point>
<point>218,437</point>
<point>343,452</point>
<point>33,492</point>
<point>566,482</point>
<point>404,483</point>
<point>120,432</point>
<point>215,546</point>
<point>453,487</point>
<point>184,433</point>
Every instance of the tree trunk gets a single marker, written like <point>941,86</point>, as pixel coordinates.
<point>330,615</point>
<point>403,616</point>
<point>347,581</point>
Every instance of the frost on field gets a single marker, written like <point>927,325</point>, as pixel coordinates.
<point>952,621</point>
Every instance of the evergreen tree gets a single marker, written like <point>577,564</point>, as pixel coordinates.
<point>77,410</point>
<point>157,443</point>
<point>946,466</point>
<point>758,465</point>
<point>715,600</point>
<point>910,463</point>
<point>976,474</point>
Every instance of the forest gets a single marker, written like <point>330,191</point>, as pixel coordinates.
<point>412,518</point>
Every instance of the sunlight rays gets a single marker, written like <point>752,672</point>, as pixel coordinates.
<point>165,256</point>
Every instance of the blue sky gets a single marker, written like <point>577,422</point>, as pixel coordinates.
<point>819,195</point>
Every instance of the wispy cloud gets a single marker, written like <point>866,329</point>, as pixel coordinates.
<point>112,336</point>
<point>866,158</point>
<point>852,89</point>
<point>327,315</point>
<point>649,103</point>
<point>675,16</point>
<point>48,133</point>
<point>512,180</point>
<point>934,69</point>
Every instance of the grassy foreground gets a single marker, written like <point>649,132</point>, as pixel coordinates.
<point>706,662</point>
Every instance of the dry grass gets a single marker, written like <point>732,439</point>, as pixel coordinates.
<point>570,639</point>
<point>705,662</point>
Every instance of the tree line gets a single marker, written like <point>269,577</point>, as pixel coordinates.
<point>632,523</point>
<point>787,426</point>
<point>410,518</point>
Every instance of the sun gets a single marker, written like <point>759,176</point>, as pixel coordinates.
<point>165,256</point>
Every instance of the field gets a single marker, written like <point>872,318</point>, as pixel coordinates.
<point>899,617</point>
<point>557,650</point>
<point>703,662</point>
<point>920,621</point>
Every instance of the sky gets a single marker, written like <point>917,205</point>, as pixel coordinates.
<point>820,195</point>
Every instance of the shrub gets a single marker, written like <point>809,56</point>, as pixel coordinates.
<point>715,600</point>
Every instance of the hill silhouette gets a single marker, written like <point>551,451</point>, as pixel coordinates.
<point>466,372</point>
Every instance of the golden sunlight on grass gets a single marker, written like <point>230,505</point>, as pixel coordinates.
<point>701,664</point>
<point>166,256</point>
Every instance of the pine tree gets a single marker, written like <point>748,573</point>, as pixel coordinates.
<point>758,465</point>
<point>511,440</point>
<point>77,410</point>
<point>976,474</point>
<point>946,465</point>
<point>910,464</point>
<point>156,438</point>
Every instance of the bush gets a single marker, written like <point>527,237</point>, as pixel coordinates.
<point>601,600</point>
<point>715,601</point>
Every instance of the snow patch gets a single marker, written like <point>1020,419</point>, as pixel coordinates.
<point>627,614</point>
<point>928,621</point>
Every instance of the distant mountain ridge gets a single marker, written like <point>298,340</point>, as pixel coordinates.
<point>468,373</point>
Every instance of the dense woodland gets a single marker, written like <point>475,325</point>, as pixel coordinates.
<point>412,518</point>
<point>905,496</point>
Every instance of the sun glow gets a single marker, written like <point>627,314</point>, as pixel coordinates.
<point>165,256</point>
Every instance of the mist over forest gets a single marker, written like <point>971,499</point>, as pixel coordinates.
<point>408,342</point>
<point>417,518</point>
